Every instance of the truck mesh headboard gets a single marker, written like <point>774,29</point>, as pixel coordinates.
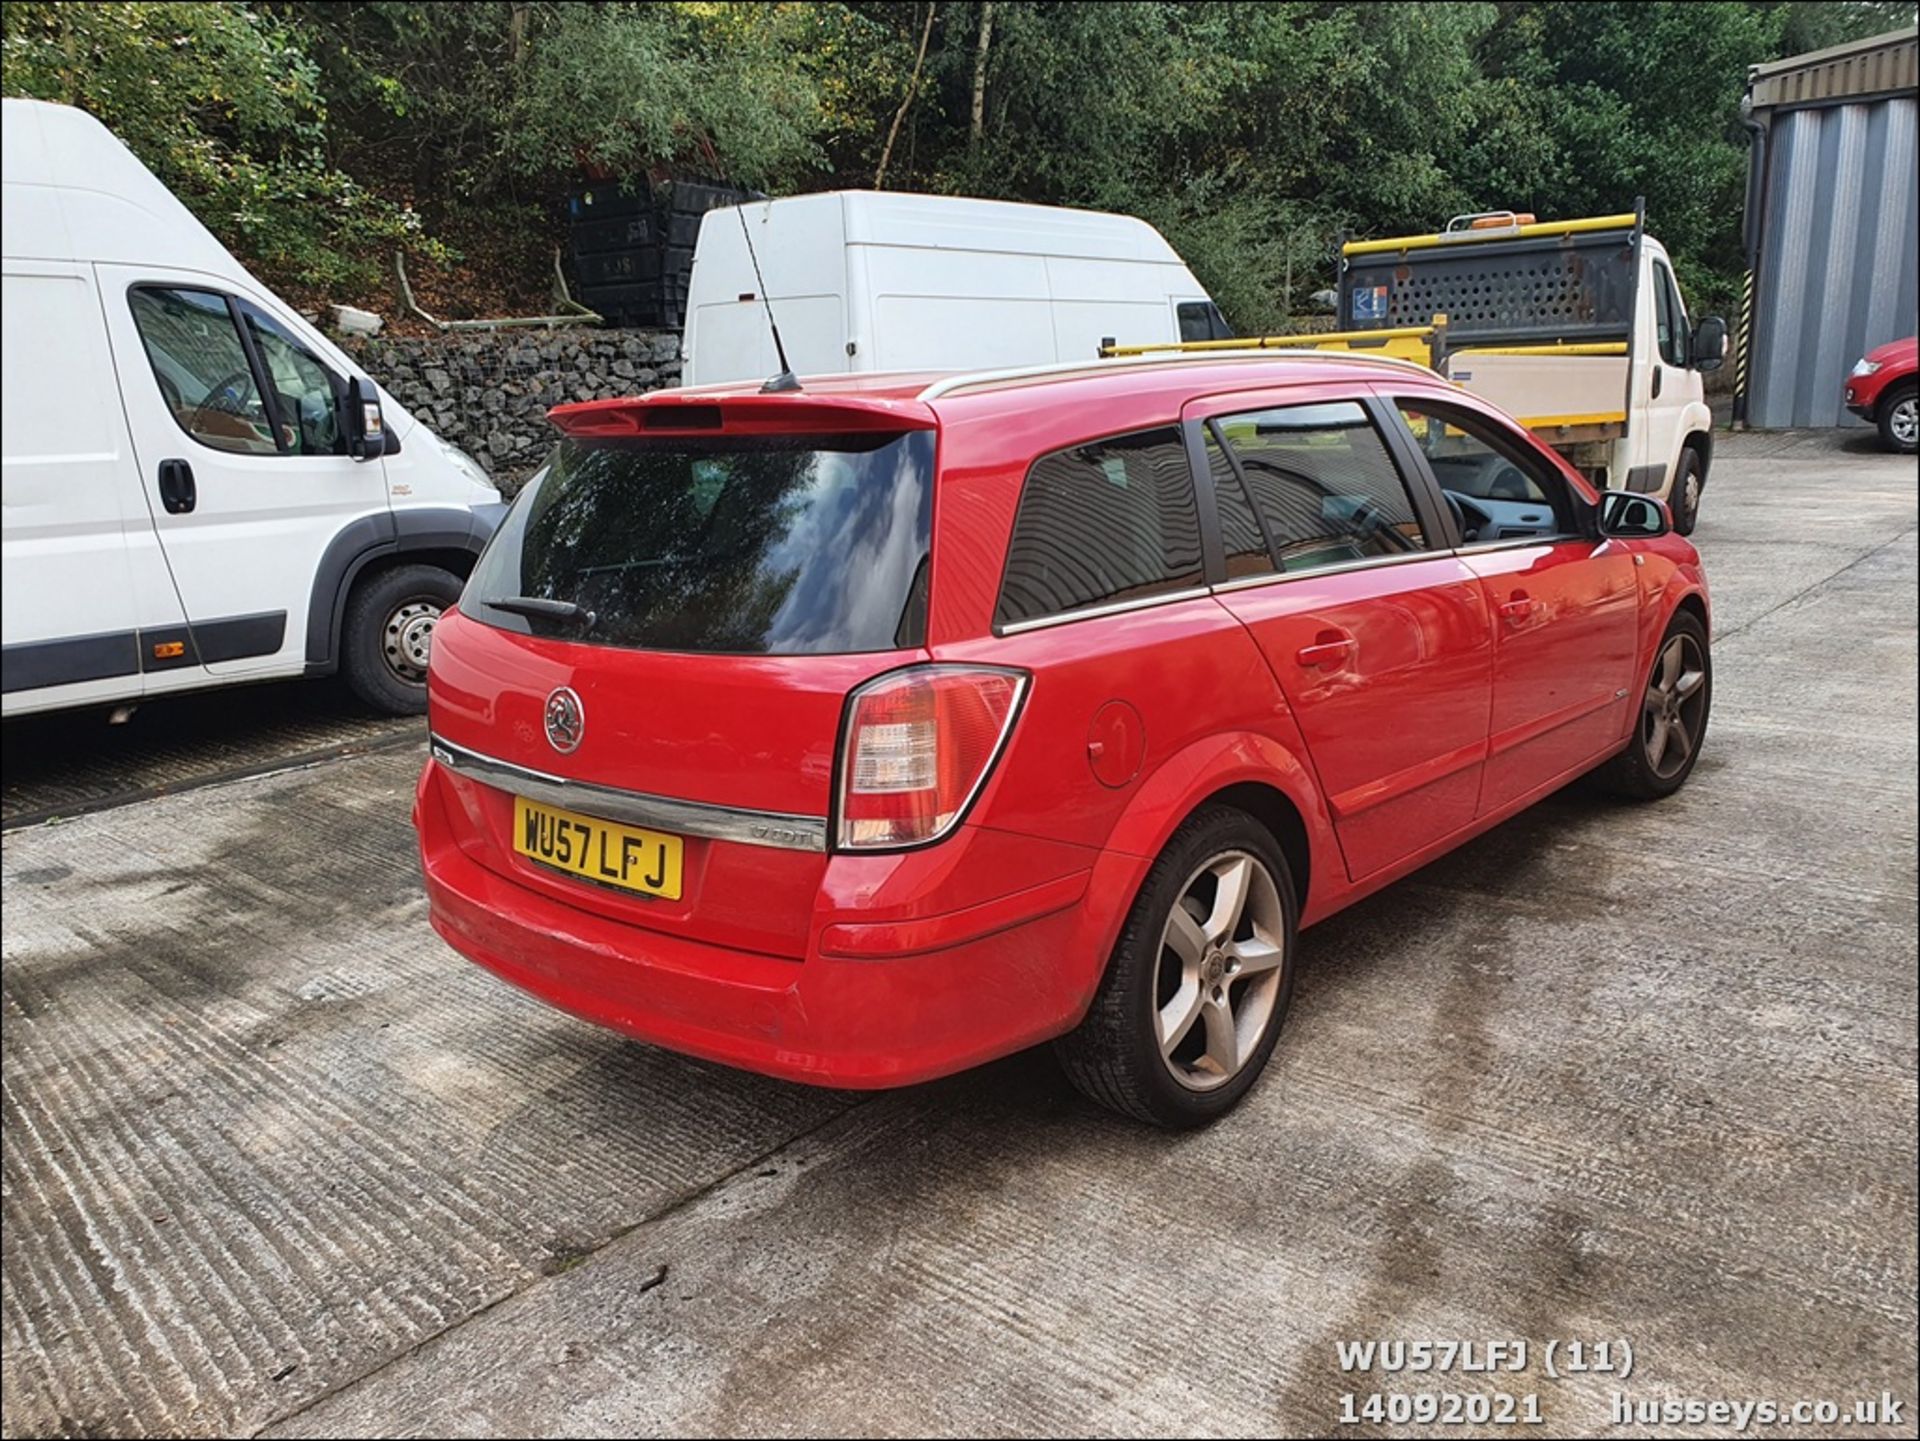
<point>1559,287</point>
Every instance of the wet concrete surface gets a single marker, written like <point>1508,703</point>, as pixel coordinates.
<point>72,762</point>
<point>276,1159</point>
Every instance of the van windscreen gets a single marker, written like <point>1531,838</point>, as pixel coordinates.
<point>804,545</point>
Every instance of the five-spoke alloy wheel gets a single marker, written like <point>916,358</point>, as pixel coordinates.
<point>1674,712</point>
<point>1674,707</point>
<point>1219,970</point>
<point>1197,987</point>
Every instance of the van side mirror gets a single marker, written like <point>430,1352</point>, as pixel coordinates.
<point>366,427</point>
<point>1626,515</point>
<point>1707,350</point>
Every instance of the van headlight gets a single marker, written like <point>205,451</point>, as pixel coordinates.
<point>1865,367</point>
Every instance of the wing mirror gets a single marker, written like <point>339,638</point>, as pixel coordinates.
<point>1626,515</point>
<point>366,427</point>
<point>1707,350</point>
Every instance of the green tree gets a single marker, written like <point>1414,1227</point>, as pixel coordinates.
<point>223,104</point>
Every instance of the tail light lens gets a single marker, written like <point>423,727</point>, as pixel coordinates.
<point>919,745</point>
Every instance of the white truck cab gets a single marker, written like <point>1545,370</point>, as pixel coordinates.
<point>880,281</point>
<point>1576,328</point>
<point>199,488</point>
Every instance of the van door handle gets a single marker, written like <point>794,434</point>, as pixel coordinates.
<point>176,487</point>
<point>1656,382</point>
<point>1328,648</point>
<point>1519,608</point>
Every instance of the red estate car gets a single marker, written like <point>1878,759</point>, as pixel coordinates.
<point>866,733</point>
<point>1882,388</point>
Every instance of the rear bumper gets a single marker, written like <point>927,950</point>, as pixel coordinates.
<point>871,1004</point>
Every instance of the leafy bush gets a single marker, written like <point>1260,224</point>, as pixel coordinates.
<point>223,104</point>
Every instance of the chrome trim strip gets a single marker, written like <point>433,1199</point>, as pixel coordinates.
<point>1372,562</point>
<point>1093,612</point>
<point>687,818</point>
<point>1520,542</point>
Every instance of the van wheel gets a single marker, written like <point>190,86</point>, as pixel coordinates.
<point>1198,984</point>
<point>1900,420</point>
<point>390,620</point>
<point>1674,706</point>
<point>1687,485</point>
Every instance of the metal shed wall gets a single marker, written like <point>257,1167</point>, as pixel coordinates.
<point>1839,252</point>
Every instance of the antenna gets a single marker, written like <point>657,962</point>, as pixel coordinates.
<point>786,379</point>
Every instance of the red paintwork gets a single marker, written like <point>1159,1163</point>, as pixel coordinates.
<point>1474,684</point>
<point>1899,360</point>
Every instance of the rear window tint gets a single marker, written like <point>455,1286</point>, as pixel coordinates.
<point>1109,521</point>
<point>811,545</point>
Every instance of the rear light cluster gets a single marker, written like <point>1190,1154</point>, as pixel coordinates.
<point>919,744</point>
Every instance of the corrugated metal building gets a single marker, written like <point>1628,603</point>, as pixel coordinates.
<point>1832,225</point>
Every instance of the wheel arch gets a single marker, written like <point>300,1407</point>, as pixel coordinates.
<point>1247,769</point>
<point>1701,443</point>
<point>445,536</point>
<point>1695,604</point>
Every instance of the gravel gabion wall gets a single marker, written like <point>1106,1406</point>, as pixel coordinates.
<point>488,392</point>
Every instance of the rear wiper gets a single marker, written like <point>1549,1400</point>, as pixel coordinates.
<point>533,605</point>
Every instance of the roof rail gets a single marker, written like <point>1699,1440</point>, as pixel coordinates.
<point>1065,369</point>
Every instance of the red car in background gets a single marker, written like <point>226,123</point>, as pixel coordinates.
<point>1882,388</point>
<point>864,733</point>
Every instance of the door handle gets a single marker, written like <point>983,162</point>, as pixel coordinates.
<point>1656,382</point>
<point>1328,648</point>
<point>1519,607</point>
<point>176,487</point>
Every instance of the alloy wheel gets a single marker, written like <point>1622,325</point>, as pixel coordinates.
<point>1904,422</point>
<point>1674,713</point>
<point>1221,962</point>
<point>406,639</point>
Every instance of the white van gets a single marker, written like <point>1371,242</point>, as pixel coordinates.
<point>877,281</point>
<point>198,487</point>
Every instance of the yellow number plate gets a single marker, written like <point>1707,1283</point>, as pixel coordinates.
<point>629,859</point>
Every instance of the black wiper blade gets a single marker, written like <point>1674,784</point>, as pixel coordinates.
<point>533,605</point>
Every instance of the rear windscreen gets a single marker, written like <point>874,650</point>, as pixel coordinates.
<point>808,545</point>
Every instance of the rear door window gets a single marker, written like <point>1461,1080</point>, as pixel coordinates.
<point>811,545</point>
<point>1323,486</point>
<point>1103,523</point>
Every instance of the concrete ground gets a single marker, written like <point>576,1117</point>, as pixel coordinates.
<point>277,1160</point>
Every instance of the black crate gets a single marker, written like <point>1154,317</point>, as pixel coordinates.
<point>676,260</point>
<point>697,197</point>
<point>620,232</point>
<point>622,267</point>
<point>623,304</point>
<point>599,201</point>
<point>684,230</point>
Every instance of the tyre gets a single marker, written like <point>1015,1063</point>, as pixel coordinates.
<point>1899,419</point>
<point>1688,482</point>
<point>389,625</point>
<point>1198,984</point>
<point>1675,703</point>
